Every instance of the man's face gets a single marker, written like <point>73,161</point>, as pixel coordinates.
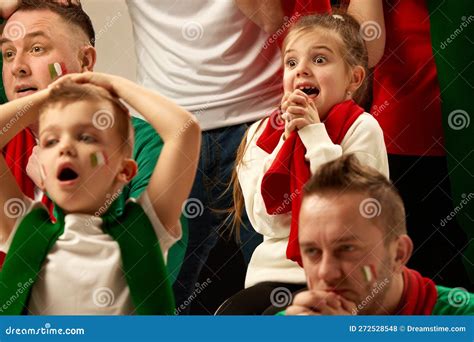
<point>32,40</point>
<point>339,247</point>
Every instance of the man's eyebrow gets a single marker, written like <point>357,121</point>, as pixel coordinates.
<point>27,36</point>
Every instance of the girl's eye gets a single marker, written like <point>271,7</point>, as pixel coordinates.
<point>319,59</point>
<point>291,63</point>
<point>87,138</point>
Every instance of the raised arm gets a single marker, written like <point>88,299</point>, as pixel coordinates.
<point>369,14</point>
<point>14,117</point>
<point>173,176</point>
<point>267,14</point>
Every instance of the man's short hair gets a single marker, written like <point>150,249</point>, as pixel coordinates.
<point>347,174</point>
<point>119,119</point>
<point>70,13</point>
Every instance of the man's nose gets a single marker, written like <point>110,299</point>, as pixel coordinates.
<point>20,66</point>
<point>329,269</point>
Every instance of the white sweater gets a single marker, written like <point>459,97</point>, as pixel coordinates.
<point>269,263</point>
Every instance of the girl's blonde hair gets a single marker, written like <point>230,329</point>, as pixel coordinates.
<point>354,53</point>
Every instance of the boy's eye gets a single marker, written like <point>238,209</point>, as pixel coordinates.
<point>50,142</point>
<point>291,63</point>
<point>87,138</point>
<point>319,59</point>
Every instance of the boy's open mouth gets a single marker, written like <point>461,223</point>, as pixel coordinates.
<point>67,174</point>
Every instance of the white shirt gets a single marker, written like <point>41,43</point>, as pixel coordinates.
<point>269,263</point>
<point>207,56</point>
<point>82,274</point>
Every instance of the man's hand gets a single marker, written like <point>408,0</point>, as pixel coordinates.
<point>299,111</point>
<point>105,81</point>
<point>320,303</point>
<point>7,7</point>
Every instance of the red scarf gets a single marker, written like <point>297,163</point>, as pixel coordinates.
<point>419,294</point>
<point>282,184</point>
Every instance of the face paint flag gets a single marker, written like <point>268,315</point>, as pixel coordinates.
<point>56,70</point>
<point>98,159</point>
<point>369,273</point>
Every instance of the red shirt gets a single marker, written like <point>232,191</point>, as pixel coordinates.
<point>406,95</point>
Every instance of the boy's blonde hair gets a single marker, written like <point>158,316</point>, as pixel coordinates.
<point>70,93</point>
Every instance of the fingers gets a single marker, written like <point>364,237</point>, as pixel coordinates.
<point>298,124</point>
<point>320,302</point>
<point>296,310</point>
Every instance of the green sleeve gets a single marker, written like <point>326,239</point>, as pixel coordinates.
<point>147,148</point>
<point>454,301</point>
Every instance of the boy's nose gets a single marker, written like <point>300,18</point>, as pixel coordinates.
<point>67,149</point>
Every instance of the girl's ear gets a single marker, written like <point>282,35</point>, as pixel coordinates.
<point>357,77</point>
<point>128,171</point>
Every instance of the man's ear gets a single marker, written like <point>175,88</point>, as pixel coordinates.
<point>88,57</point>
<point>357,77</point>
<point>128,171</point>
<point>403,250</point>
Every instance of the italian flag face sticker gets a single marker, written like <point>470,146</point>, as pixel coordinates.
<point>57,70</point>
<point>369,273</point>
<point>98,159</point>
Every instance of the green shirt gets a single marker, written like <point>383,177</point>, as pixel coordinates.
<point>147,148</point>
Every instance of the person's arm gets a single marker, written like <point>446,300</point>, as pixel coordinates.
<point>267,14</point>
<point>173,175</point>
<point>369,13</point>
<point>7,7</point>
<point>14,117</point>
